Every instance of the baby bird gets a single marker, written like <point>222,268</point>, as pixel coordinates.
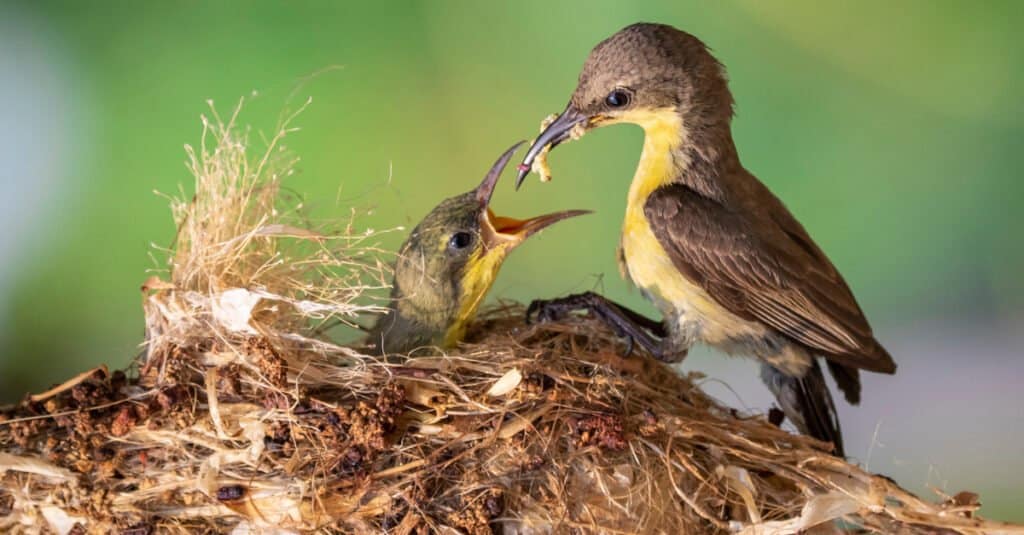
<point>448,263</point>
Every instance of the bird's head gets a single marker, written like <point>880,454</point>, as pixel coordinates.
<point>652,75</point>
<point>449,261</point>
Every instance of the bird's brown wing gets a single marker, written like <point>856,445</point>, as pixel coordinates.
<point>765,274</point>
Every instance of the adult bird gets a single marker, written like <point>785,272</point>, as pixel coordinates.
<point>719,255</point>
<point>447,264</point>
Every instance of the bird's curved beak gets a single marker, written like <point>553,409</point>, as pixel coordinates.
<point>500,232</point>
<point>556,132</point>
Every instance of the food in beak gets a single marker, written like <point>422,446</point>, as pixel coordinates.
<point>555,129</point>
<point>540,163</point>
<point>497,230</point>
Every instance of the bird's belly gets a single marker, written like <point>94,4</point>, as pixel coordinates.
<point>693,315</point>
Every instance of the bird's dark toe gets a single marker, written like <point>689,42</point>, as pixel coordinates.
<point>531,311</point>
<point>544,310</point>
<point>630,343</point>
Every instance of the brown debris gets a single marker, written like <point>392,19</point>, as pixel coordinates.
<point>602,430</point>
<point>273,368</point>
<point>123,422</point>
<point>172,398</point>
<point>964,503</point>
<point>477,511</point>
<point>6,503</point>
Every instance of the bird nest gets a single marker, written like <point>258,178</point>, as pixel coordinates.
<point>243,416</point>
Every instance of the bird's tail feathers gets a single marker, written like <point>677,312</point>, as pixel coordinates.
<point>848,380</point>
<point>807,403</point>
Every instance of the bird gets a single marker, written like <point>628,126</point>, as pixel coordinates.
<point>718,254</point>
<point>446,266</point>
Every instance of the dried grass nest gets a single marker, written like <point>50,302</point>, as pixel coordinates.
<point>243,417</point>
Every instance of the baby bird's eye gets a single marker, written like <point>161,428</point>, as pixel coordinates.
<point>617,98</point>
<point>460,240</point>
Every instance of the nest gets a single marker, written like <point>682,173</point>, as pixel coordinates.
<point>244,416</point>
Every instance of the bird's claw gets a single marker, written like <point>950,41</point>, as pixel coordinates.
<point>547,310</point>
<point>630,342</point>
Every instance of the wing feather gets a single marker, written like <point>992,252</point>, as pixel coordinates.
<point>765,272</point>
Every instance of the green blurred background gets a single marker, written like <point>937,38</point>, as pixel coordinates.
<point>892,129</point>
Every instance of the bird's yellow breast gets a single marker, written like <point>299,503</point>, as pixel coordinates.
<point>643,259</point>
<point>480,274</point>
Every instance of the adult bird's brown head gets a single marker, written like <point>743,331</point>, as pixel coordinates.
<point>448,263</point>
<point>651,75</point>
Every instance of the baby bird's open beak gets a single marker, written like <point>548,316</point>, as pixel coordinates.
<point>500,230</point>
<point>506,232</point>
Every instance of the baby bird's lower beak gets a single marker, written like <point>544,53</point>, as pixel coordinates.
<point>509,232</point>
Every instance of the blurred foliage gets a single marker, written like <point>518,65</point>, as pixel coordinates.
<point>892,130</point>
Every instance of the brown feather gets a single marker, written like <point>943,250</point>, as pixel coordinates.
<point>764,272</point>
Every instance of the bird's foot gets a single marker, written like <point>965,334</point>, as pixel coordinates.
<point>635,328</point>
<point>548,310</point>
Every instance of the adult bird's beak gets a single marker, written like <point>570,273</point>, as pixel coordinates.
<point>500,231</point>
<point>556,132</point>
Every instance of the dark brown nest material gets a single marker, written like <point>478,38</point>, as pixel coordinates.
<point>243,417</point>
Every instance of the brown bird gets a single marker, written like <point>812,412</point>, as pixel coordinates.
<point>721,257</point>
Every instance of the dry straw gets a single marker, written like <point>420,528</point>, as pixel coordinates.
<point>243,417</point>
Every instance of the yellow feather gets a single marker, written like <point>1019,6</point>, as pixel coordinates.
<point>480,273</point>
<point>644,261</point>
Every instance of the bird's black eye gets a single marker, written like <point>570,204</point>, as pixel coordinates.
<point>460,240</point>
<point>617,98</point>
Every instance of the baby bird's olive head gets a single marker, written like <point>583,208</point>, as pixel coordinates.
<point>452,257</point>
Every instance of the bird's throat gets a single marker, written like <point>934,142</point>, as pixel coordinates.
<point>475,282</point>
<point>664,135</point>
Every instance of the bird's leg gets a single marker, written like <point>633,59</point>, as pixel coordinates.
<point>629,324</point>
<point>551,309</point>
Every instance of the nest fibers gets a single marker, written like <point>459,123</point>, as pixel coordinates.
<point>244,418</point>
